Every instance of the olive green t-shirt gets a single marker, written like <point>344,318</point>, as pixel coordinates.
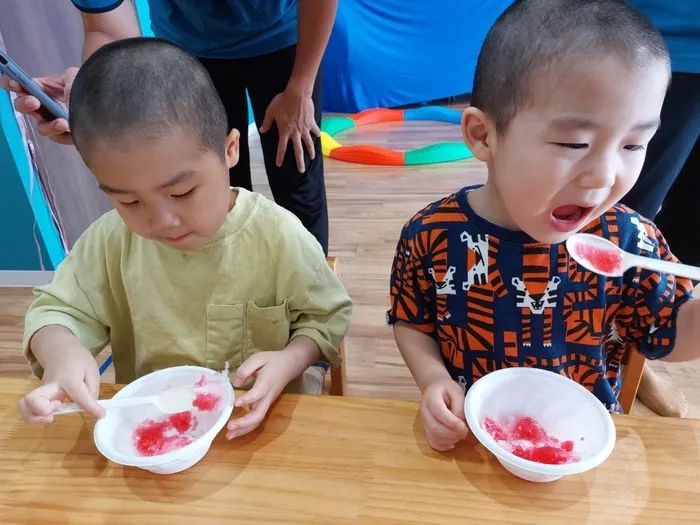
<point>259,282</point>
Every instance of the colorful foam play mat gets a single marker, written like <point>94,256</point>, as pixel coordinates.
<point>378,155</point>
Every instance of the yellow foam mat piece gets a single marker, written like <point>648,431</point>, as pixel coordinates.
<point>328,143</point>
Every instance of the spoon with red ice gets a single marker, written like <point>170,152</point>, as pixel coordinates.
<point>606,258</point>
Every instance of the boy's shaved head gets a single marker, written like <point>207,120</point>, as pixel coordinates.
<point>140,88</point>
<point>533,36</point>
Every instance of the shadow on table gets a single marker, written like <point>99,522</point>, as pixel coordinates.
<point>483,471</point>
<point>669,450</point>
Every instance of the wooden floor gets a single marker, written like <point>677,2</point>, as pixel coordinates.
<point>368,206</point>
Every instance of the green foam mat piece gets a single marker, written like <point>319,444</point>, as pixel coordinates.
<point>333,125</point>
<point>436,153</point>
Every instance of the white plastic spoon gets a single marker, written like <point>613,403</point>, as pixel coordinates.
<point>606,258</point>
<point>172,401</point>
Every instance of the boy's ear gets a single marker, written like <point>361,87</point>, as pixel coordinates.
<point>233,141</point>
<point>477,130</point>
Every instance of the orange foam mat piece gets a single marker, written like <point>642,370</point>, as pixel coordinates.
<point>377,115</point>
<point>369,154</point>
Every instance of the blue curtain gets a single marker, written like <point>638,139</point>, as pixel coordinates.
<point>388,53</point>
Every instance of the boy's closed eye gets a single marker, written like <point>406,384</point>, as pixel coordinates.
<point>575,145</point>
<point>185,195</point>
<point>572,145</point>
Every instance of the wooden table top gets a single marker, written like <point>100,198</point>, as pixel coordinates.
<point>331,460</point>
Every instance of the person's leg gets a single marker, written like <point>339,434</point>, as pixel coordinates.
<point>231,87</point>
<point>304,194</point>
<point>670,147</point>
<point>660,395</point>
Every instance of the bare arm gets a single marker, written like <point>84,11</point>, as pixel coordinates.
<point>421,353</point>
<point>51,344</point>
<point>303,352</point>
<point>103,28</point>
<point>316,18</point>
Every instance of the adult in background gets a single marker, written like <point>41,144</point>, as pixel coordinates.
<point>670,179</point>
<point>271,48</point>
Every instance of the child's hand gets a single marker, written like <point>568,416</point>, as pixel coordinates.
<point>271,372</point>
<point>76,377</point>
<point>442,411</point>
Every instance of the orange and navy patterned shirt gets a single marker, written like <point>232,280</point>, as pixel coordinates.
<point>495,298</point>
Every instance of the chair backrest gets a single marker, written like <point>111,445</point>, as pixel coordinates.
<point>632,372</point>
<point>339,379</point>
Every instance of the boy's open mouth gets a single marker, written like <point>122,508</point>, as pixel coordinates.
<point>569,218</point>
<point>571,213</point>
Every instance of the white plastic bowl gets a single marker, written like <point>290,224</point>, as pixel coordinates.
<point>113,433</point>
<point>563,407</point>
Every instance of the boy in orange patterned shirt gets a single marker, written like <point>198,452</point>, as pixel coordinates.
<point>567,95</point>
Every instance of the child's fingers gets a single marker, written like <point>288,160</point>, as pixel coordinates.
<point>247,423</point>
<point>439,410</point>
<point>40,403</point>
<point>454,399</point>
<point>80,394</point>
<point>249,368</point>
<point>436,431</point>
<point>255,394</point>
<point>92,382</point>
<point>441,445</point>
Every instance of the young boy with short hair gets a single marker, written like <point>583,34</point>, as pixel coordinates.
<point>185,270</point>
<point>567,94</point>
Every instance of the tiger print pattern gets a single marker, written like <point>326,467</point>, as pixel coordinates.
<point>536,292</point>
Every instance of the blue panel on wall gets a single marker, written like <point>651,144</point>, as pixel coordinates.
<point>387,53</point>
<point>29,235</point>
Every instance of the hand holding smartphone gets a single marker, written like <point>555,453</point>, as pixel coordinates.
<point>50,109</point>
<point>34,98</point>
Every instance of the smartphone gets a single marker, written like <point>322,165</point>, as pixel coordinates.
<point>50,109</point>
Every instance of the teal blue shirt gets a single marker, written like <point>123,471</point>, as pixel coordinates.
<point>217,28</point>
<point>679,23</point>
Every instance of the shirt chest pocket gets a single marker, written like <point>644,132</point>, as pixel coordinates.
<point>237,331</point>
<point>225,335</point>
<point>267,328</point>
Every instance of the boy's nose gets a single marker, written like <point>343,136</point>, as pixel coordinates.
<point>164,220</point>
<point>601,174</point>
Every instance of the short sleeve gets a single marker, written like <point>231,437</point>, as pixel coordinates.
<point>79,296</point>
<point>319,306</point>
<point>409,289</point>
<point>654,300</point>
<point>322,310</point>
<point>96,6</point>
<point>65,303</point>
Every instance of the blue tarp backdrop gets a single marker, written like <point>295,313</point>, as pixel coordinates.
<point>388,53</point>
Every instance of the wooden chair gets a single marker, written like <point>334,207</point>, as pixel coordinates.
<point>339,379</point>
<point>632,372</point>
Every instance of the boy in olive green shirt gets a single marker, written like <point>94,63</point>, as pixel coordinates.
<point>185,270</point>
